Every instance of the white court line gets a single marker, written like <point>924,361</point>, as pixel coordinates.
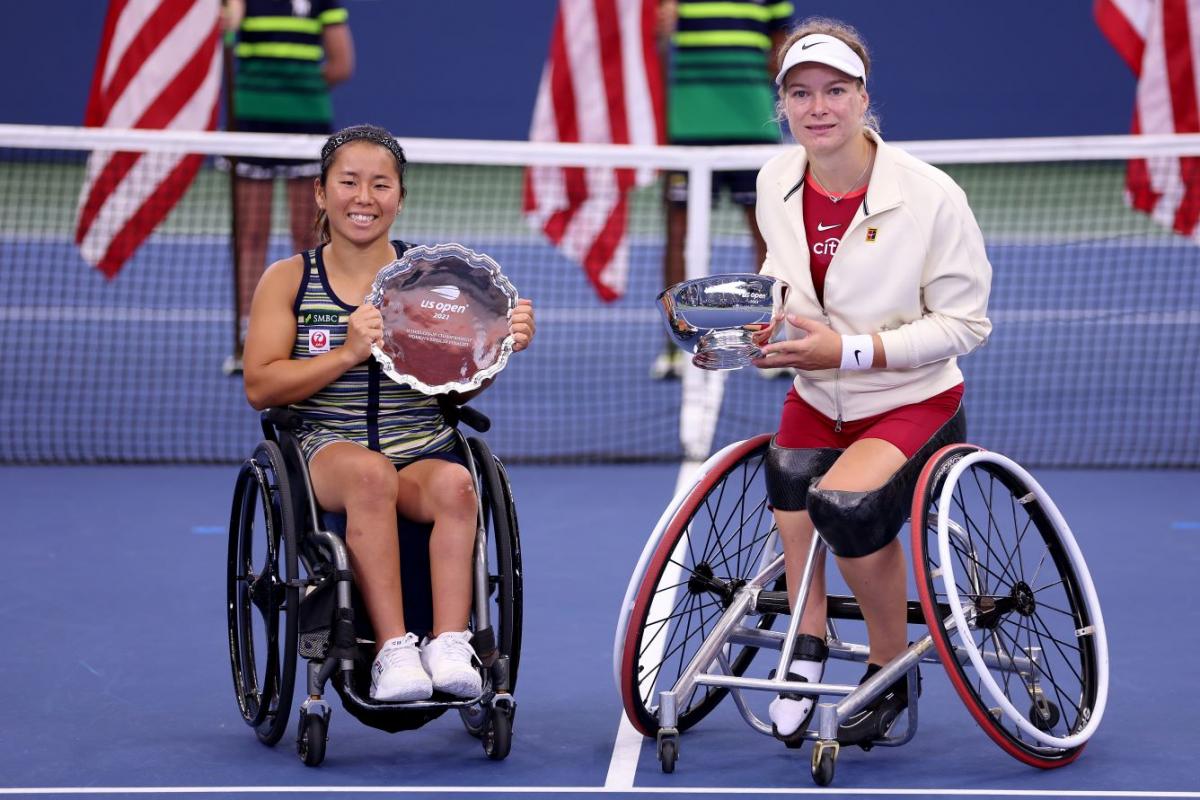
<point>652,790</point>
<point>627,748</point>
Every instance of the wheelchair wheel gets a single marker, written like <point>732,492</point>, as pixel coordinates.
<point>1010,604</point>
<point>262,595</point>
<point>709,546</point>
<point>504,575</point>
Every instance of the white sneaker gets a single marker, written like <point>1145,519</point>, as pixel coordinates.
<point>668,365</point>
<point>397,673</point>
<point>451,662</point>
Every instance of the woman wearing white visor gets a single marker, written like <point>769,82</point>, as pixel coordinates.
<point>890,285</point>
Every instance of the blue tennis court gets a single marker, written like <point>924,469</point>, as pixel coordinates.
<point>119,678</point>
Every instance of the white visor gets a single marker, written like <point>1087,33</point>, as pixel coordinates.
<point>819,48</point>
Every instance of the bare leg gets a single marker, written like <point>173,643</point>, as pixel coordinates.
<point>302,213</point>
<point>796,532</point>
<point>352,479</point>
<point>877,580</point>
<point>253,229</point>
<point>441,492</point>
<point>673,262</point>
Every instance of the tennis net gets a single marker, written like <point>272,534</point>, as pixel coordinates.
<point>1093,361</point>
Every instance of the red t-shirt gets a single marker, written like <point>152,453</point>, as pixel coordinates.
<point>824,223</point>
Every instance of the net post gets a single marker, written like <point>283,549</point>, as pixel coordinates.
<point>703,390</point>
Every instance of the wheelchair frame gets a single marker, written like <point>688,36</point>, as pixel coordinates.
<point>742,607</point>
<point>277,476</point>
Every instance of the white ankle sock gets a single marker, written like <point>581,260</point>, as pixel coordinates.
<point>787,715</point>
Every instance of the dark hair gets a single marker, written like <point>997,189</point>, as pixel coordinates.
<point>369,133</point>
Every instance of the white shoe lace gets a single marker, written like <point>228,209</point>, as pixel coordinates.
<point>457,646</point>
<point>396,653</point>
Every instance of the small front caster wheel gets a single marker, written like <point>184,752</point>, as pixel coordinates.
<point>668,752</point>
<point>310,744</point>
<point>824,762</point>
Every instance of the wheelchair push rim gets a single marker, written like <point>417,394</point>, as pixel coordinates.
<point>706,547</point>
<point>1024,645</point>
<point>492,722</point>
<point>262,594</point>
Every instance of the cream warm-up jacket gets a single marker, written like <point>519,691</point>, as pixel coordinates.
<point>911,267</point>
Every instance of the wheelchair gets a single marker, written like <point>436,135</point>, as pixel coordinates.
<point>1006,598</point>
<point>278,611</point>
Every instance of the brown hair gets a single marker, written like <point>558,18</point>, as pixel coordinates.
<point>839,30</point>
<point>369,133</point>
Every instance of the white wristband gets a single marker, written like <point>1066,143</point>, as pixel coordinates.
<point>857,352</point>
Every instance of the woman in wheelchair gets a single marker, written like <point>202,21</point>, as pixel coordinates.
<point>873,340</point>
<point>373,447</point>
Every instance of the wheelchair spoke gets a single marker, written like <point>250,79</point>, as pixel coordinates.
<point>985,538</point>
<point>1063,702</point>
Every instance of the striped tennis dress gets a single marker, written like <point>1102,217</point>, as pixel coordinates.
<point>364,405</point>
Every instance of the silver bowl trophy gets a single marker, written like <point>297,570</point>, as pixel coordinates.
<point>714,318</point>
<point>445,313</point>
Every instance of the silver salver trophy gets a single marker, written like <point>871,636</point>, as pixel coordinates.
<point>445,313</point>
<point>715,318</point>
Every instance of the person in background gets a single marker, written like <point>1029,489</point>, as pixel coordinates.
<point>719,61</point>
<point>287,55</point>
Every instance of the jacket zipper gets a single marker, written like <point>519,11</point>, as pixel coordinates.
<point>837,388</point>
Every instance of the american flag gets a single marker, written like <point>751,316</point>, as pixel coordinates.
<point>1160,41</point>
<point>159,67</point>
<point>602,83</point>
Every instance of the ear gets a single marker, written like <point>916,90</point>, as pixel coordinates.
<point>319,193</point>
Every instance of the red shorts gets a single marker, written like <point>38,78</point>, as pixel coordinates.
<point>908,427</point>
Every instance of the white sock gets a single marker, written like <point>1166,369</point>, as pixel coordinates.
<point>787,714</point>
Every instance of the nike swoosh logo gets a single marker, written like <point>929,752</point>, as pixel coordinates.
<point>810,44</point>
<point>856,352</point>
<point>821,227</point>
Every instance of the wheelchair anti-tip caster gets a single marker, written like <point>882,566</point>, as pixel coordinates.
<point>312,734</point>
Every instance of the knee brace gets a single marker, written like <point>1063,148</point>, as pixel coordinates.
<point>856,524</point>
<point>790,470</point>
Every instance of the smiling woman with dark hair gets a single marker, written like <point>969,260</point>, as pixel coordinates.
<point>374,447</point>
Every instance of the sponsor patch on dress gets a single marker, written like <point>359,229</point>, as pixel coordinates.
<point>321,318</point>
<point>872,233</point>
<point>318,340</point>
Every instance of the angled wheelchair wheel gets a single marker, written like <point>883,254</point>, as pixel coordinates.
<point>1010,604</point>
<point>718,537</point>
<point>504,581</point>
<point>262,595</point>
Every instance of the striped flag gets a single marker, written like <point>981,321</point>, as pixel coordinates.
<point>602,83</point>
<point>159,67</point>
<point>1160,41</point>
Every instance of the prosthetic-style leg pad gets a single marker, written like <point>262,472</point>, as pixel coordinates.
<point>856,524</point>
<point>790,470</point>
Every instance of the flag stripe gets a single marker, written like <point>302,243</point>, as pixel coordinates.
<point>1158,39</point>
<point>151,212</point>
<point>600,85</point>
<point>1121,32</point>
<point>159,67</point>
<point>124,67</point>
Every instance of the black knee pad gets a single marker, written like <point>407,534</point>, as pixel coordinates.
<point>790,470</point>
<point>856,524</point>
